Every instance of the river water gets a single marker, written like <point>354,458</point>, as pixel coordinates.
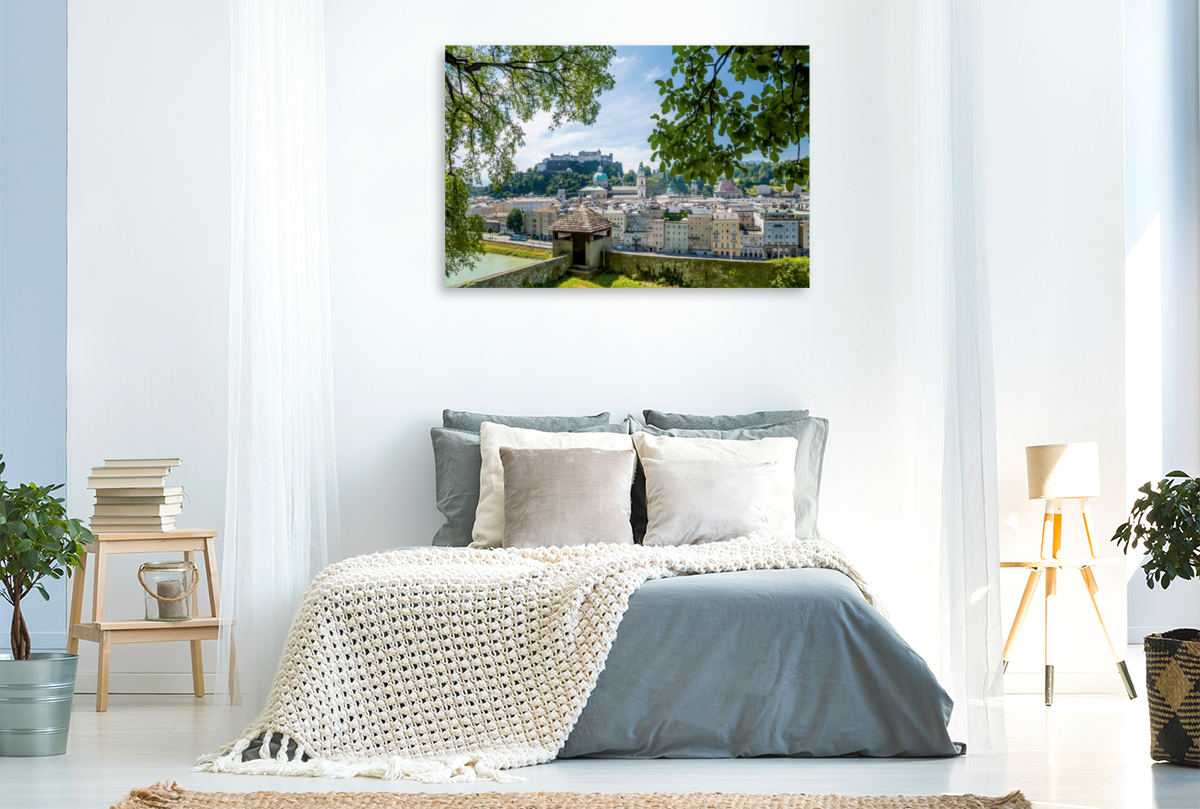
<point>490,264</point>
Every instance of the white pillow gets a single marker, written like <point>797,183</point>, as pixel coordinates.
<point>691,502</point>
<point>781,516</point>
<point>489,514</point>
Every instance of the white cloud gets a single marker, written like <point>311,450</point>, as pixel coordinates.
<point>655,73</point>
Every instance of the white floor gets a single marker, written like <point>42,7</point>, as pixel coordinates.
<point>1082,752</point>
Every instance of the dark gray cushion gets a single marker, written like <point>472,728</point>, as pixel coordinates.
<point>463,420</point>
<point>566,497</point>
<point>456,464</point>
<point>811,433</point>
<point>685,421</point>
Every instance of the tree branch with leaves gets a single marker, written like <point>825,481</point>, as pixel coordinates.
<point>490,92</point>
<point>701,108</point>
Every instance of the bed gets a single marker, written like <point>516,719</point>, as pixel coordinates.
<point>572,641</point>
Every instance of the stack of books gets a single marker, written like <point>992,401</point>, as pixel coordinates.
<point>132,496</point>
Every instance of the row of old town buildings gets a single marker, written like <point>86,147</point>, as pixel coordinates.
<point>726,225</point>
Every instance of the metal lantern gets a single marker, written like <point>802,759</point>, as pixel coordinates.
<point>169,587</point>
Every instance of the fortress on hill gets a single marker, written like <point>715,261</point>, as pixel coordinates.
<point>563,162</point>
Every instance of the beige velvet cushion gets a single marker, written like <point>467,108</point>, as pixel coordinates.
<point>488,531</point>
<point>781,514</point>
<point>566,496</point>
<point>689,502</point>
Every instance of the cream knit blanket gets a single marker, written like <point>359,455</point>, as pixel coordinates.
<point>447,666</point>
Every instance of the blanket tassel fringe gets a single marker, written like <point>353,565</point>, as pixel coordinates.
<point>452,770</point>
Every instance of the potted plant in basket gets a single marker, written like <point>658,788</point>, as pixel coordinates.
<point>1166,522</point>
<point>36,540</point>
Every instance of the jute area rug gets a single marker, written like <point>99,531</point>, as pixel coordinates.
<point>162,796</point>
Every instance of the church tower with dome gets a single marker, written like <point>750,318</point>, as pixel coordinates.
<point>641,181</point>
<point>600,180</point>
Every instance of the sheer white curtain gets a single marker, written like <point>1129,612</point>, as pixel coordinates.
<point>281,508</point>
<point>956,430</point>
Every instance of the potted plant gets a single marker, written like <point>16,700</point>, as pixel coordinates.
<point>36,688</point>
<point>1166,522</point>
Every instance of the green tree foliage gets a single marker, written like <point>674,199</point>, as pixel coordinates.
<point>790,272</point>
<point>543,184</point>
<point>751,175</point>
<point>701,108</point>
<point>515,221</point>
<point>464,234</point>
<point>655,185</point>
<point>489,93</point>
<point>36,540</point>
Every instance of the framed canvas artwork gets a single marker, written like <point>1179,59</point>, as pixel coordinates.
<point>635,167</point>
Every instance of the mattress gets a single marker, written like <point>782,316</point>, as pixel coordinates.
<point>760,663</point>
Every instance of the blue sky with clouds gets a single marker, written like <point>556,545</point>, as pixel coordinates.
<point>624,122</point>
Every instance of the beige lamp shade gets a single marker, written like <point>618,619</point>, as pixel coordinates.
<point>1063,470</point>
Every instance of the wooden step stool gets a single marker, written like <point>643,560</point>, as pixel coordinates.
<point>106,633</point>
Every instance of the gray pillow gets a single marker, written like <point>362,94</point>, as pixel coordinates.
<point>565,497</point>
<point>463,420</point>
<point>694,501</point>
<point>811,433</point>
<point>456,464</point>
<point>684,421</point>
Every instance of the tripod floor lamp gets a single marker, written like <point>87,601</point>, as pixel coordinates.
<point>1059,472</point>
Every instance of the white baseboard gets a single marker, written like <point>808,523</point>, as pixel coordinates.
<point>143,683</point>
<point>1065,682</point>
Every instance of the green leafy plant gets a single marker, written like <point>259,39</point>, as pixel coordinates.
<point>1166,521</point>
<point>790,272</point>
<point>515,220</point>
<point>36,540</point>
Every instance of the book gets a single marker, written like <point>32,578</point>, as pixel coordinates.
<point>127,462</point>
<point>149,491</point>
<point>132,529</point>
<point>126,482</point>
<point>133,520</point>
<point>103,498</point>
<point>130,471</point>
<point>134,510</point>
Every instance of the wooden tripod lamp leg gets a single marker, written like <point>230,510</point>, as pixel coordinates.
<point>1035,576</point>
<point>1051,605</point>
<point>1093,588</point>
<point>1048,517</point>
<point>1086,511</point>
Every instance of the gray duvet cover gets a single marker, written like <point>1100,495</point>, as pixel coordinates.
<point>760,663</point>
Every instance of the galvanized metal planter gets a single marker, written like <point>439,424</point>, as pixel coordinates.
<point>35,703</point>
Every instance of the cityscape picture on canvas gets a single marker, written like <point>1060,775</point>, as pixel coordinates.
<point>627,167</point>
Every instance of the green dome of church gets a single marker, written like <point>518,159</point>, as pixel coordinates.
<point>600,177</point>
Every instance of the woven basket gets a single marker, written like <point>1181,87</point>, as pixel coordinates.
<point>1173,691</point>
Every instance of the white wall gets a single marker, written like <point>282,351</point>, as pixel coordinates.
<point>149,237</point>
<point>1162,242</point>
